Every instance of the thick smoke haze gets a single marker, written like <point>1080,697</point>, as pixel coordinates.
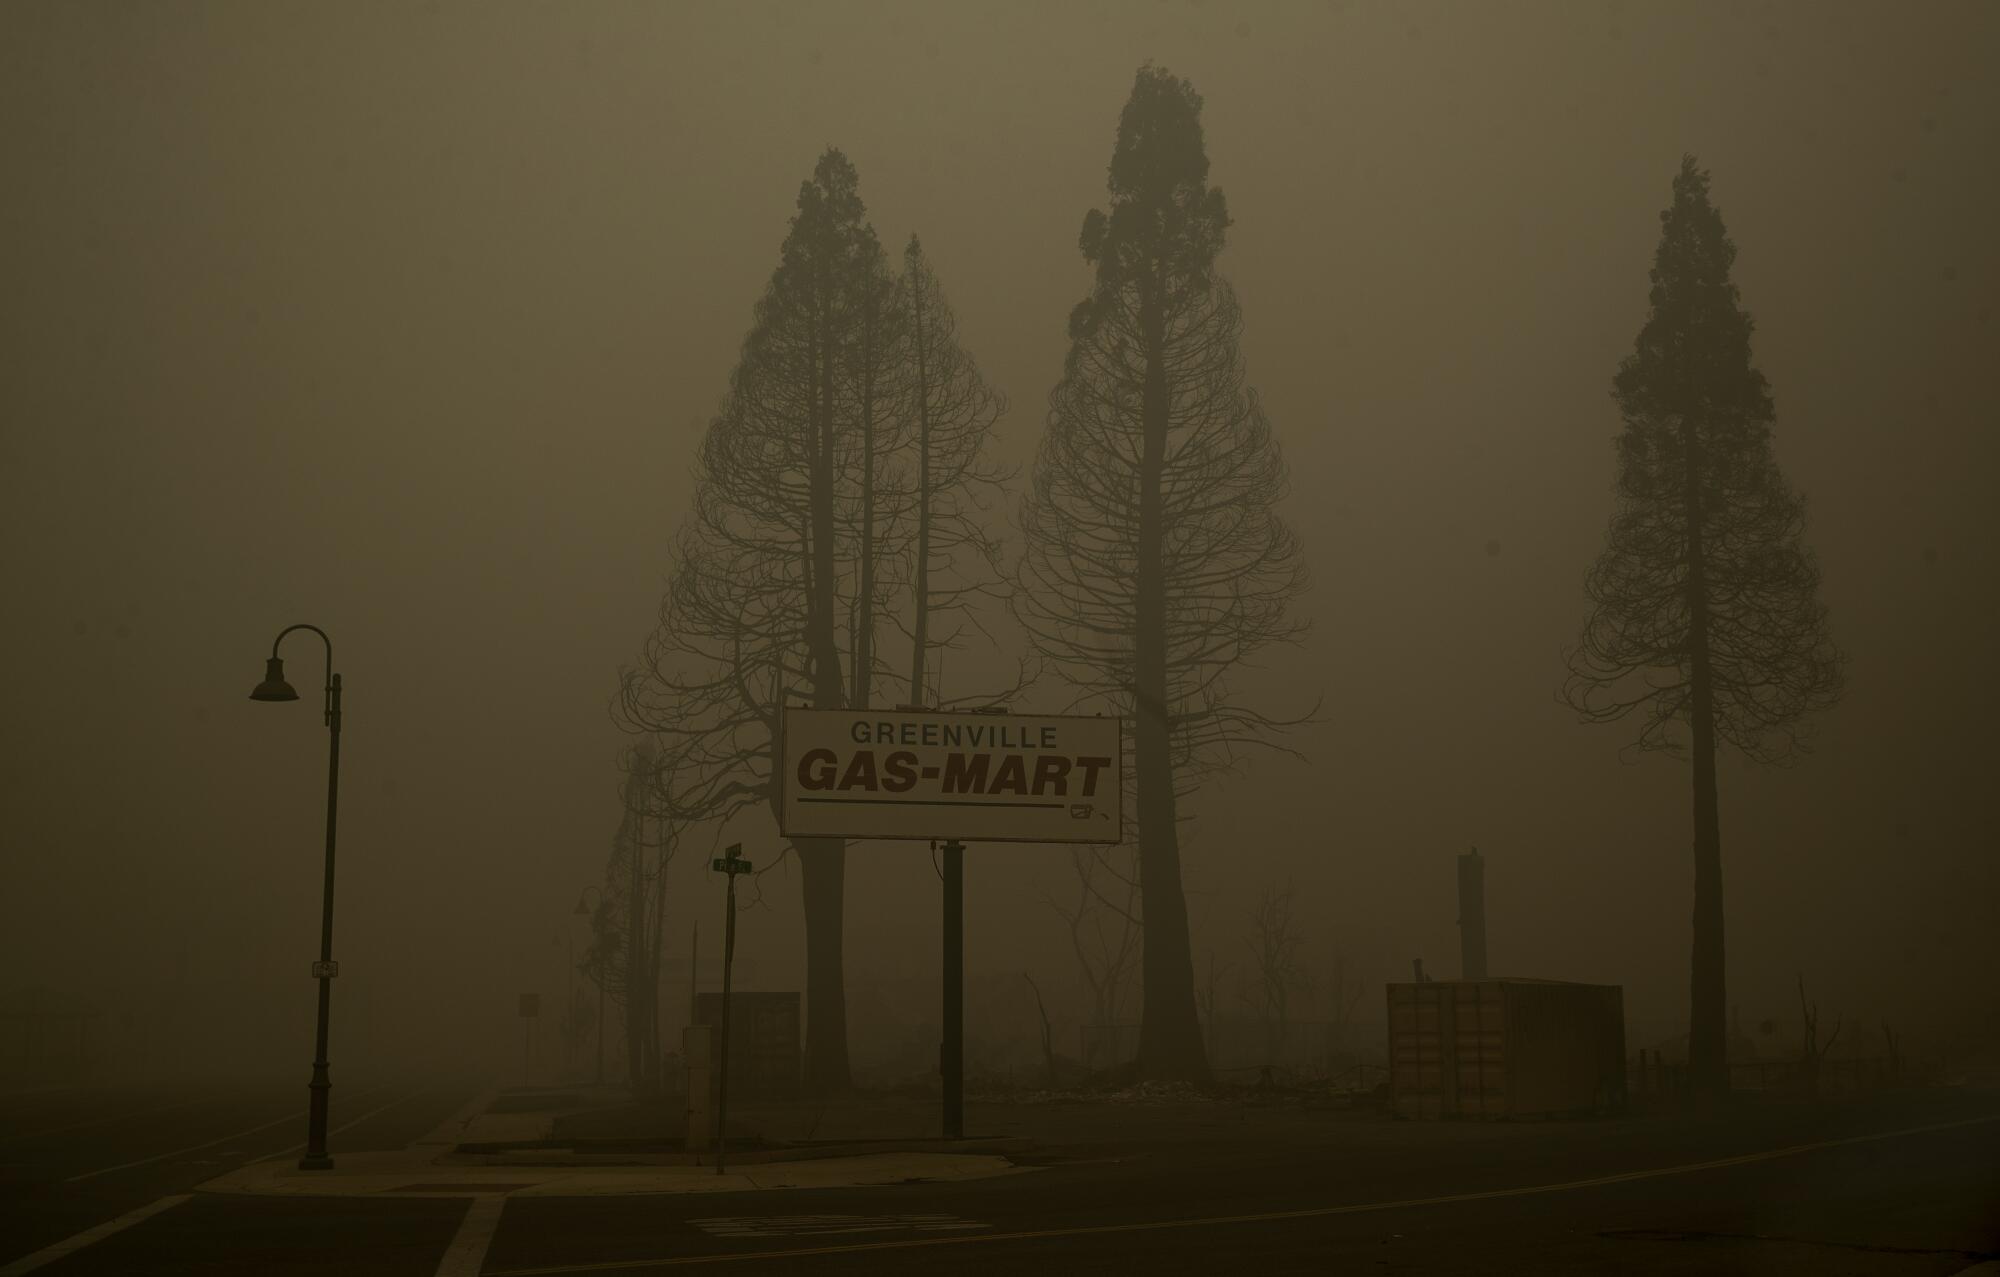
<point>406,320</point>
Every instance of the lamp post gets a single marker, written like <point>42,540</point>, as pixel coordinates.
<point>583,911</point>
<point>275,688</point>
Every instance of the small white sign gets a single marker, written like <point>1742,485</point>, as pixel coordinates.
<point>926,774</point>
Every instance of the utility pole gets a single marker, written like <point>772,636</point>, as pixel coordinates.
<point>951,1053</point>
<point>731,862</point>
<point>583,911</point>
<point>1472,916</point>
<point>636,992</point>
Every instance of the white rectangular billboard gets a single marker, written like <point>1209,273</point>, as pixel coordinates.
<point>928,774</point>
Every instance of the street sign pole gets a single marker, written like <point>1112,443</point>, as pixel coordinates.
<point>731,863</point>
<point>531,1009</point>
<point>952,1053</point>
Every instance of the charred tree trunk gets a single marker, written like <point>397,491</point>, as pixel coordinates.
<point>861,683</point>
<point>1708,1063</point>
<point>824,865</point>
<point>1170,1043</point>
<point>920,628</point>
<point>824,860</point>
<point>636,996</point>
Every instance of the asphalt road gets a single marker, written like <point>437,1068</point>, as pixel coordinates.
<point>72,1159</point>
<point>1272,1191</point>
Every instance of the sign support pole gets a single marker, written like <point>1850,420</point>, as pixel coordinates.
<point>952,1052</point>
<point>730,863</point>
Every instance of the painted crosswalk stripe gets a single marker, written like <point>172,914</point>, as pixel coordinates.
<point>795,1254</point>
<point>89,1236</point>
<point>345,1126</point>
<point>196,1148</point>
<point>829,1225</point>
<point>467,1253</point>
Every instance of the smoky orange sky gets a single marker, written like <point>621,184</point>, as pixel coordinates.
<point>405,319</point>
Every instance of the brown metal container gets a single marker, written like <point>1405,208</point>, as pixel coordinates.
<point>1506,1048</point>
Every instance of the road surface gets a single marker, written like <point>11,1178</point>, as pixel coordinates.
<point>1909,1187</point>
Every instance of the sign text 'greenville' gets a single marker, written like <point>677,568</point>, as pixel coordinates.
<point>852,773</point>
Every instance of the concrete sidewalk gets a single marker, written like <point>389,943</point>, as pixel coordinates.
<point>415,1172</point>
<point>437,1165</point>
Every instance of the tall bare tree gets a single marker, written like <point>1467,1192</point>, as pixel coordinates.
<point>1154,561</point>
<point>1705,615</point>
<point>629,925</point>
<point>1103,923</point>
<point>1275,941</point>
<point>774,585</point>
<point>845,463</point>
<point>951,411</point>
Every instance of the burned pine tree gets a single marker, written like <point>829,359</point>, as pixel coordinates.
<point>1154,561</point>
<point>773,588</point>
<point>628,927</point>
<point>1274,943</point>
<point>1705,615</point>
<point>953,484</point>
<point>851,432</point>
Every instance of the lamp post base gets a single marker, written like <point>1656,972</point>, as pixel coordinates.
<point>316,1158</point>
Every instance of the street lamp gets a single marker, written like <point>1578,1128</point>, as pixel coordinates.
<point>275,688</point>
<point>583,911</point>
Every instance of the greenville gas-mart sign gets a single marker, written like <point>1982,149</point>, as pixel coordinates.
<point>919,774</point>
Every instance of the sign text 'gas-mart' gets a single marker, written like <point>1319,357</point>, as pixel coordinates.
<point>928,774</point>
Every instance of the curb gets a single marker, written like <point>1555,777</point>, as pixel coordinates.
<point>579,1154</point>
<point>402,1174</point>
<point>446,1134</point>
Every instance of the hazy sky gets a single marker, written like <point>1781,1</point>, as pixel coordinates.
<point>404,320</point>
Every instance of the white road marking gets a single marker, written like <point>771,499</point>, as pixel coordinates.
<point>192,1148</point>
<point>70,1245</point>
<point>346,1126</point>
<point>1265,1217</point>
<point>826,1225</point>
<point>467,1253</point>
<point>108,1117</point>
<point>196,1148</point>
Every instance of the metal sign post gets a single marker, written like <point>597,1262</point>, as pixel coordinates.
<point>998,775</point>
<point>952,1053</point>
<point>531,1010</point>
<point>731,862</point>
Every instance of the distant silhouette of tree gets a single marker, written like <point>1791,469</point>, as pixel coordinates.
<point>1275,940</point>
<point>954,484</point>
<point>1154,562</point>
<point>772,593</point>
<point>843,467</point>
<point>629,923</point>
<point>1705,615</point>
<point>1104,929</point>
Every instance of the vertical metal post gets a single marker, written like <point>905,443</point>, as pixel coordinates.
<point>1472,916</point>
<point>951,1059</point>
<point>731,865</point>
<point>729,957</point>
<point>316,1158</point>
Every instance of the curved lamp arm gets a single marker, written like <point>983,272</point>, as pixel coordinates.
<point>332,680</point>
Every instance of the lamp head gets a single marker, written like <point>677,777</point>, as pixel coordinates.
<point>580,910</point>
<point>274,687</point>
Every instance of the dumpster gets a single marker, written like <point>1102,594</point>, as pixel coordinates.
<point>1505,1048</point>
